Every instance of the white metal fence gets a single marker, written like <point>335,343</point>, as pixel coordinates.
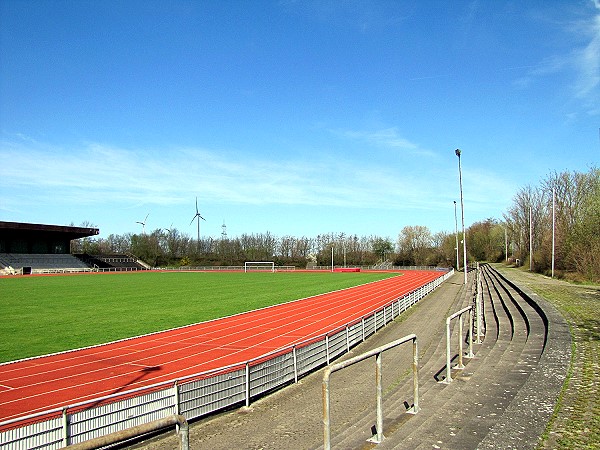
<point>201,394</point>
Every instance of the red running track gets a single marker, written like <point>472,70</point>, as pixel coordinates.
<point>44,383</point>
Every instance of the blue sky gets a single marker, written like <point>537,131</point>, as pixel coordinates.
<point>293,117</point>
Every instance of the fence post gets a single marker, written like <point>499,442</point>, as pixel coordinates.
<point>65,427</point>
<point>363,329</point>
<point>347,340</point>
<point>247,384</point>
<point>295,356</point>
<point>378,438</point>
<point>177,407</point>
<point>478,311</point>
<point>326,411</point>
<point>415,368</point>
<point>471,354</point>
<point>448,368</point>
<point>460,364</point>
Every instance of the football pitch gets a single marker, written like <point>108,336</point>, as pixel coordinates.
<point>41,315</point>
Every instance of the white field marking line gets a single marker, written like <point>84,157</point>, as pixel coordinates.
<point>261,326</point>
<point>10,388</point>
<point>171,335</point>
<point>195,355</point>
<point>154,379</point>
<point>170,375</point>
<point>261,344</point>
<point>96,394</point>
<point>298,309</point>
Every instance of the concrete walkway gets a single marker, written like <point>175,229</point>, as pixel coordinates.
<point>476,410</point>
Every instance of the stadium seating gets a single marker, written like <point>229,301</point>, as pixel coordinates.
<point>11,263</point>
<point>112,261</point>
<point>41,261</point>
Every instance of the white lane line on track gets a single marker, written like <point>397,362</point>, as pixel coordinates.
<point>299,310</point>
<point>283,323</point>
<point>349,306</point>
<point>190,329</point>
<point>171,374</point>
<point>288,317</point>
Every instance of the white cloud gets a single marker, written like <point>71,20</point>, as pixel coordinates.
<point>385,138</point>
<point>583,61</point>
<point>587,60</point>
<point>101,174</point>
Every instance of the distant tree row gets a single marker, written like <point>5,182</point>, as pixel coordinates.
<point>569,204</point>
<point>576,210</point>
<point>172,247</point>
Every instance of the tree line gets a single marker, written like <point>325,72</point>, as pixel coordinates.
<point>564,208</point>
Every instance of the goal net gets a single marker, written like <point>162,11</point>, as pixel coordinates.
<point>259,266</point>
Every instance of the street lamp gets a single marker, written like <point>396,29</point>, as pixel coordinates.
<point>462,212</point>
<point>456,234</point>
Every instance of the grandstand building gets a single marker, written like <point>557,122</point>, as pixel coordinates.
<point>27,248</point>
<point>33,238</point>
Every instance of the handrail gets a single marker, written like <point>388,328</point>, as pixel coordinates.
<point>460,365</point>
<point>378,379</point>
<point>133,432</point>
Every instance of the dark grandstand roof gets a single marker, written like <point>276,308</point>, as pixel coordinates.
<point>17,228</point>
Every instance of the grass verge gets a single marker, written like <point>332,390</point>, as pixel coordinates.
<point>576,420</point>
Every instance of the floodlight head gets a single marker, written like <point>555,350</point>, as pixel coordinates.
<point>457,151</point>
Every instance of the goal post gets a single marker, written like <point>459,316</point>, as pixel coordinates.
<point>259,266</point>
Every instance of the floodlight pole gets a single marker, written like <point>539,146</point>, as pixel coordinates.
<point>505,242</point>
<point>331,257</point>
<point>462,213</point>
<point>530,240</point>
<point>456,235</point>
<point>553,227</point>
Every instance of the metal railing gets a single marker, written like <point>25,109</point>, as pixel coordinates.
<point>460,365</point>
<point>378,438</point>
<point>140,430</point>
<point>200,394</point>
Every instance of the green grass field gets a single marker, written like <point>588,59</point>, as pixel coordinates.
<point>41,315</point>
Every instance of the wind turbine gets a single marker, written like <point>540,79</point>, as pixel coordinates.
<point>143,224</point>
<point>197,217</point>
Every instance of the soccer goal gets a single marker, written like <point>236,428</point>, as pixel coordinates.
<point>259,266</point>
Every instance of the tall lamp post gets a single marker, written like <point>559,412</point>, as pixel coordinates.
<point>332,245</point>
<point>456,235</point>
<point>462,213</point>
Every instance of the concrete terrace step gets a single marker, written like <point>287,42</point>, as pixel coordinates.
<point>431,361</point>
<point>448,418</point>
<point>488,384</point>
